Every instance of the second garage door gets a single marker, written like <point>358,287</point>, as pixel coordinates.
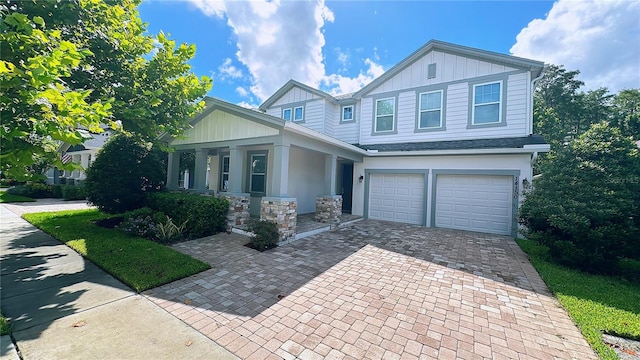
<point>397,197</point>
<point>474,202</point>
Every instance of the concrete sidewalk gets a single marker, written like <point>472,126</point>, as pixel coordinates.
<point>64,307</point>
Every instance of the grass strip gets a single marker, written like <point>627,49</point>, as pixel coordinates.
<point>5,197</point>
<point>597,304</point>
<point>140,263</point>
<point>5,327</point>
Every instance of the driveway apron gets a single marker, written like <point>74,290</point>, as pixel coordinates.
<point>374,290</point>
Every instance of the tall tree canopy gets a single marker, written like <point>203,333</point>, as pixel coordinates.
<point>562,112</point>
<point>76,64</point>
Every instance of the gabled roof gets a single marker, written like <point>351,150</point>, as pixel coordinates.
<point>490,56</point>
<point>212,104</point>
<point>290,85</point>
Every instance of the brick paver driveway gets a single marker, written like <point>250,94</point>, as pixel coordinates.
<point>375,290</point>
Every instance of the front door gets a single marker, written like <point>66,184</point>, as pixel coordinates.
<point>347,187</point>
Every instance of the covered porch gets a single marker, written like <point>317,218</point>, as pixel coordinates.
<point>265,167</point>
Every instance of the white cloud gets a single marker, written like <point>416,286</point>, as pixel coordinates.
<point>599,38</point>
<point>228,71</point>
<point>338,84</point>
<point>282,40</point>
<point>242,91</point>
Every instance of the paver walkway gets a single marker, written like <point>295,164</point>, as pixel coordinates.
<point>374,290</point>
<point>64,307</point>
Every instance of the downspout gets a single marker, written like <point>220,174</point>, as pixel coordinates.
<point>533,88</point>
<point>534,157</point>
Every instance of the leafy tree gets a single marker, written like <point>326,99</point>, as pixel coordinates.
<point>142,81</point>
<point>586,206</point>
<point>125,171</point>
<point>37,107</point>
<point>626,113</point>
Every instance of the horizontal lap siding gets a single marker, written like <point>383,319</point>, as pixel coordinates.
<point>457,116</point>
<point>517,102</point>
<point>314,115</point>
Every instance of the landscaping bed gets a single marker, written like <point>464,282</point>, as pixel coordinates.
<point>140,263</point>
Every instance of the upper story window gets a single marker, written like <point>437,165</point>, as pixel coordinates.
<point>298,113</point>
<point>385,114</point>
<point>286,114</point>
<point>224,173</point>
<point>487,103</point>
<point>295,114</point>
<point>347,113</point>
<point>258,174</point>
<point>430,110</point>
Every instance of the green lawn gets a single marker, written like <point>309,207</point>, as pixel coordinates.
<point>5,327</point>
<point>597,304</point>
<point>139,263</point>
<point>10,198</point>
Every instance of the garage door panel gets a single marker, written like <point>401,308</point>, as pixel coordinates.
<point>474,202</point>
<point>397,197</point>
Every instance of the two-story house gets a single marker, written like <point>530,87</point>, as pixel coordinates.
<point>442,139</point>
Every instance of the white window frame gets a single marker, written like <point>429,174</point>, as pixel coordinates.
<point>284,112</point>
<point>223,173</point>
<point>295,119</point>
<point>420,111</point>
<point>353,113</point>
<point>393,116</point>
<point>499,103</point>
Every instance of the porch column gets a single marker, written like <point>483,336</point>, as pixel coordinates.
<point>200,170</point>
<point>235,170</point>
<point>84,162</point>
<point>330,174</point>
<point>329,205</point>
<point>173,170</point>
<point>280,177</point>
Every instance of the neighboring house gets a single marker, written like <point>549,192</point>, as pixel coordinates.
<point>84,154</point>
<point>442,139</point>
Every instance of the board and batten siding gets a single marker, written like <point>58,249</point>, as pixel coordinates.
<point>449,67</point>
<point>457,116</point>
<point>221,126</point>
<point>294,95</point>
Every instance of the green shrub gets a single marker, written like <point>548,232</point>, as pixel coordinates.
<point>586,206</point>
<point>32,190</point>
<point>124,172</point>
<point>265,236</point>
<point>141,222</point>
<point>168,232</point>
<point>71,192</point>
<point>205,215</point>
<point>56,191</point>
<point>4,182</point>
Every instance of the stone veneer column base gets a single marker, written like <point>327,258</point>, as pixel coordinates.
<point>282,211</point>
<point>329,209</point>
<point>238,214</point>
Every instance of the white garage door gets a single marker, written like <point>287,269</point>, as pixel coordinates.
<point>474,202</point>
<point>397,197</point>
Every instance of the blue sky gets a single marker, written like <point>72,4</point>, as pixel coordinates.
<point>251,48</point>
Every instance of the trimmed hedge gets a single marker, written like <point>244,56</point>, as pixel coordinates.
<point>71,192</point>
<point>41,191</point>
<point>205,215</point>
<point>32,190</point>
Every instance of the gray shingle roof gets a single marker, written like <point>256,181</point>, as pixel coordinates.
<point>512,142</point>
